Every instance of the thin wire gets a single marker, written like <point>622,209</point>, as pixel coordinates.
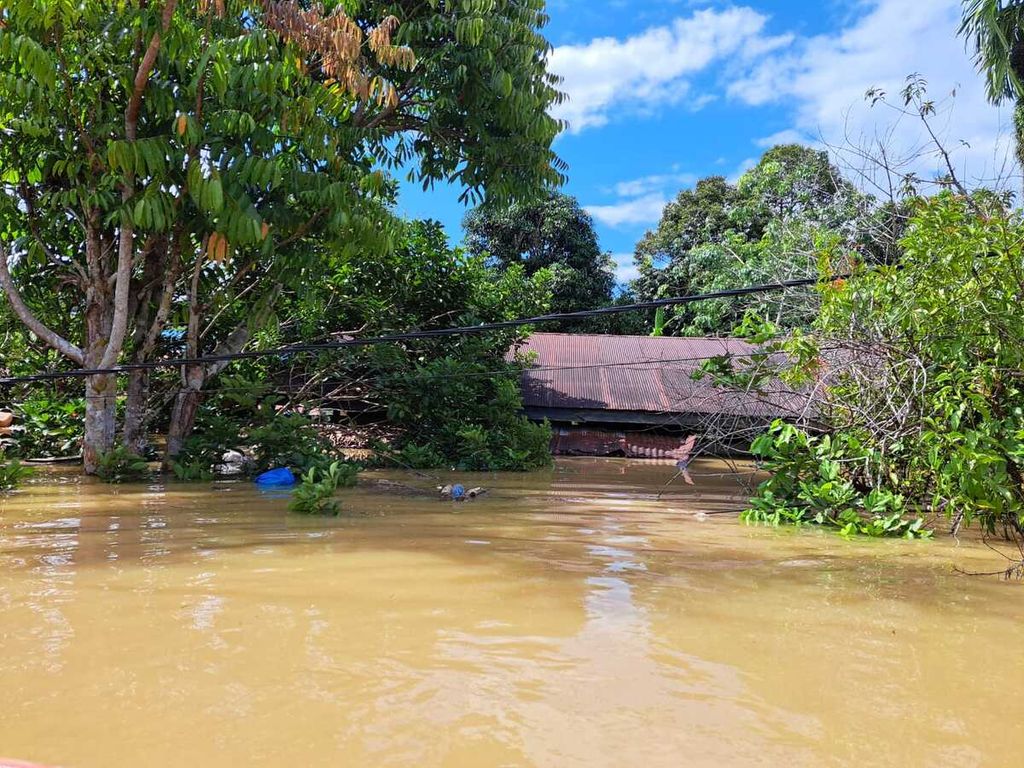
<point>416,335</point>
<point>492,372</point>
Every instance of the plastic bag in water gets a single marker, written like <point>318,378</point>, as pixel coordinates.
<point>279,476</point>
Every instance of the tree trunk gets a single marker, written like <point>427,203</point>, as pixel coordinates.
<point>135,435</point>
<point>186,403</point>
<point>100,412</point>
<point>183,414</point>
<point>100,389</point>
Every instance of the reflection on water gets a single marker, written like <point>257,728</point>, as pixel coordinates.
<point>568,618</point>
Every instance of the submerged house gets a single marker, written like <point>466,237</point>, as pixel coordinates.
<point>637,395</point>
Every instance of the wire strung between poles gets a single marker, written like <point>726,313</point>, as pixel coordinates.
<point>417,335</point>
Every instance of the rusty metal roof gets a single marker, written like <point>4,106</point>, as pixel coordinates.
<point>640,374</point>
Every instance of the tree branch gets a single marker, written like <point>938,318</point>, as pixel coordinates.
<point>126,244</point>
<point>239,337</point>
<point>55,340</point>
<point>33,225</point>
<point>131,115</point>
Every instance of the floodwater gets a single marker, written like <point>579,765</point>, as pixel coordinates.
<point>567,618</point>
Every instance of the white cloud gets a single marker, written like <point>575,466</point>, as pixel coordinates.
<point>642,200</point>
<point>653,183</point>
<point>625,269</point>
<point>787,136</point>
<point>823,80</point>
<point>745,165</point>
<point>645,209</point>
<point>697,103</point>
<point>650,70</point>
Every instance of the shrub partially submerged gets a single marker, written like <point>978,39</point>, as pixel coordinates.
<point>919,393</point>
<point>811,484</point>
<point>12,473</point>
<point>254,422</point>
<point>466,420</point>
<point>120,465</point>
<point>313,496</point>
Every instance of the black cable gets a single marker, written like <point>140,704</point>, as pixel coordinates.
<point>416,335</point>
<point>516,372</point>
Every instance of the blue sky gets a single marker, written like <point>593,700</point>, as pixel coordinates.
<point>662,92</point>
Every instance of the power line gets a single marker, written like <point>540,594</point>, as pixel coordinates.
<point>418,335</point>
<point>493,372</point>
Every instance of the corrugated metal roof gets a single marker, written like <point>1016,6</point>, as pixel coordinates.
<point>639,373</point>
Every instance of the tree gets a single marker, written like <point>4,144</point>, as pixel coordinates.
<point>176,166</point>
<point>554,233</point>
<point>448,401</point>
<point>696,217</point>
<point>456,400</point>
<point>767,228</point>
<point>995,30</point>
<point>920,404</point>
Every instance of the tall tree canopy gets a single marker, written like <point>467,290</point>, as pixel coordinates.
<point>182,166</point>
<point>765,228</point>
<point>553,233</point>
<point>995,31</point>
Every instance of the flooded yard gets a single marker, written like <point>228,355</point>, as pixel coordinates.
<point>567,618</point>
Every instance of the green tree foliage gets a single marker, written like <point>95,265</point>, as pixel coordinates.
<point>182,166</point>
<point>47,415</point>
<point>995,31</point>
<point>923,401</point>
<point>247,415</point>
<point>455,400</point>
<point>422,283</point>
<point>764,229</point>
<point>553,234</point>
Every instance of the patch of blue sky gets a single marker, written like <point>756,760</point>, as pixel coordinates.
<point>663,92</point>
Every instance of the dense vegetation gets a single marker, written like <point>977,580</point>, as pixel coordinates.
<point>172,171</point>
<point>181,181</point>
<point>447,402</point>
<point>452,400</point>
<point>914,362</point>
<point>915,373</point>
<point>766,228</point>
<point>555,234</point>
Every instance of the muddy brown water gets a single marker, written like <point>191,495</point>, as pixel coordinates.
<point>569,618</point>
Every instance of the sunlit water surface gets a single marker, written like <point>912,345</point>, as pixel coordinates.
<point>568,618</point>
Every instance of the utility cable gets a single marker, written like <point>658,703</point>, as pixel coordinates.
<point>425,376</point>
<point>418,335</point>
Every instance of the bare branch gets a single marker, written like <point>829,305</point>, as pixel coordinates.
<point>55,340</point>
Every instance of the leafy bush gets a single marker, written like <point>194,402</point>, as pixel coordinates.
<point>120,465</point>
<point>455,400</point>
<point>48,424</point>
<point>415,456</point>
<point>245,416</point>
<point>12,473</point>
<point>286,440</point>
<point>809,485</point>
<point>922,403</point>
<point>314,492</point>
<point>471,422</point>
<point>192,470</point>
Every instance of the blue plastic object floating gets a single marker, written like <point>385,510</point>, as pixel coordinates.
<point>276,477</point>
<point>458,491</point>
